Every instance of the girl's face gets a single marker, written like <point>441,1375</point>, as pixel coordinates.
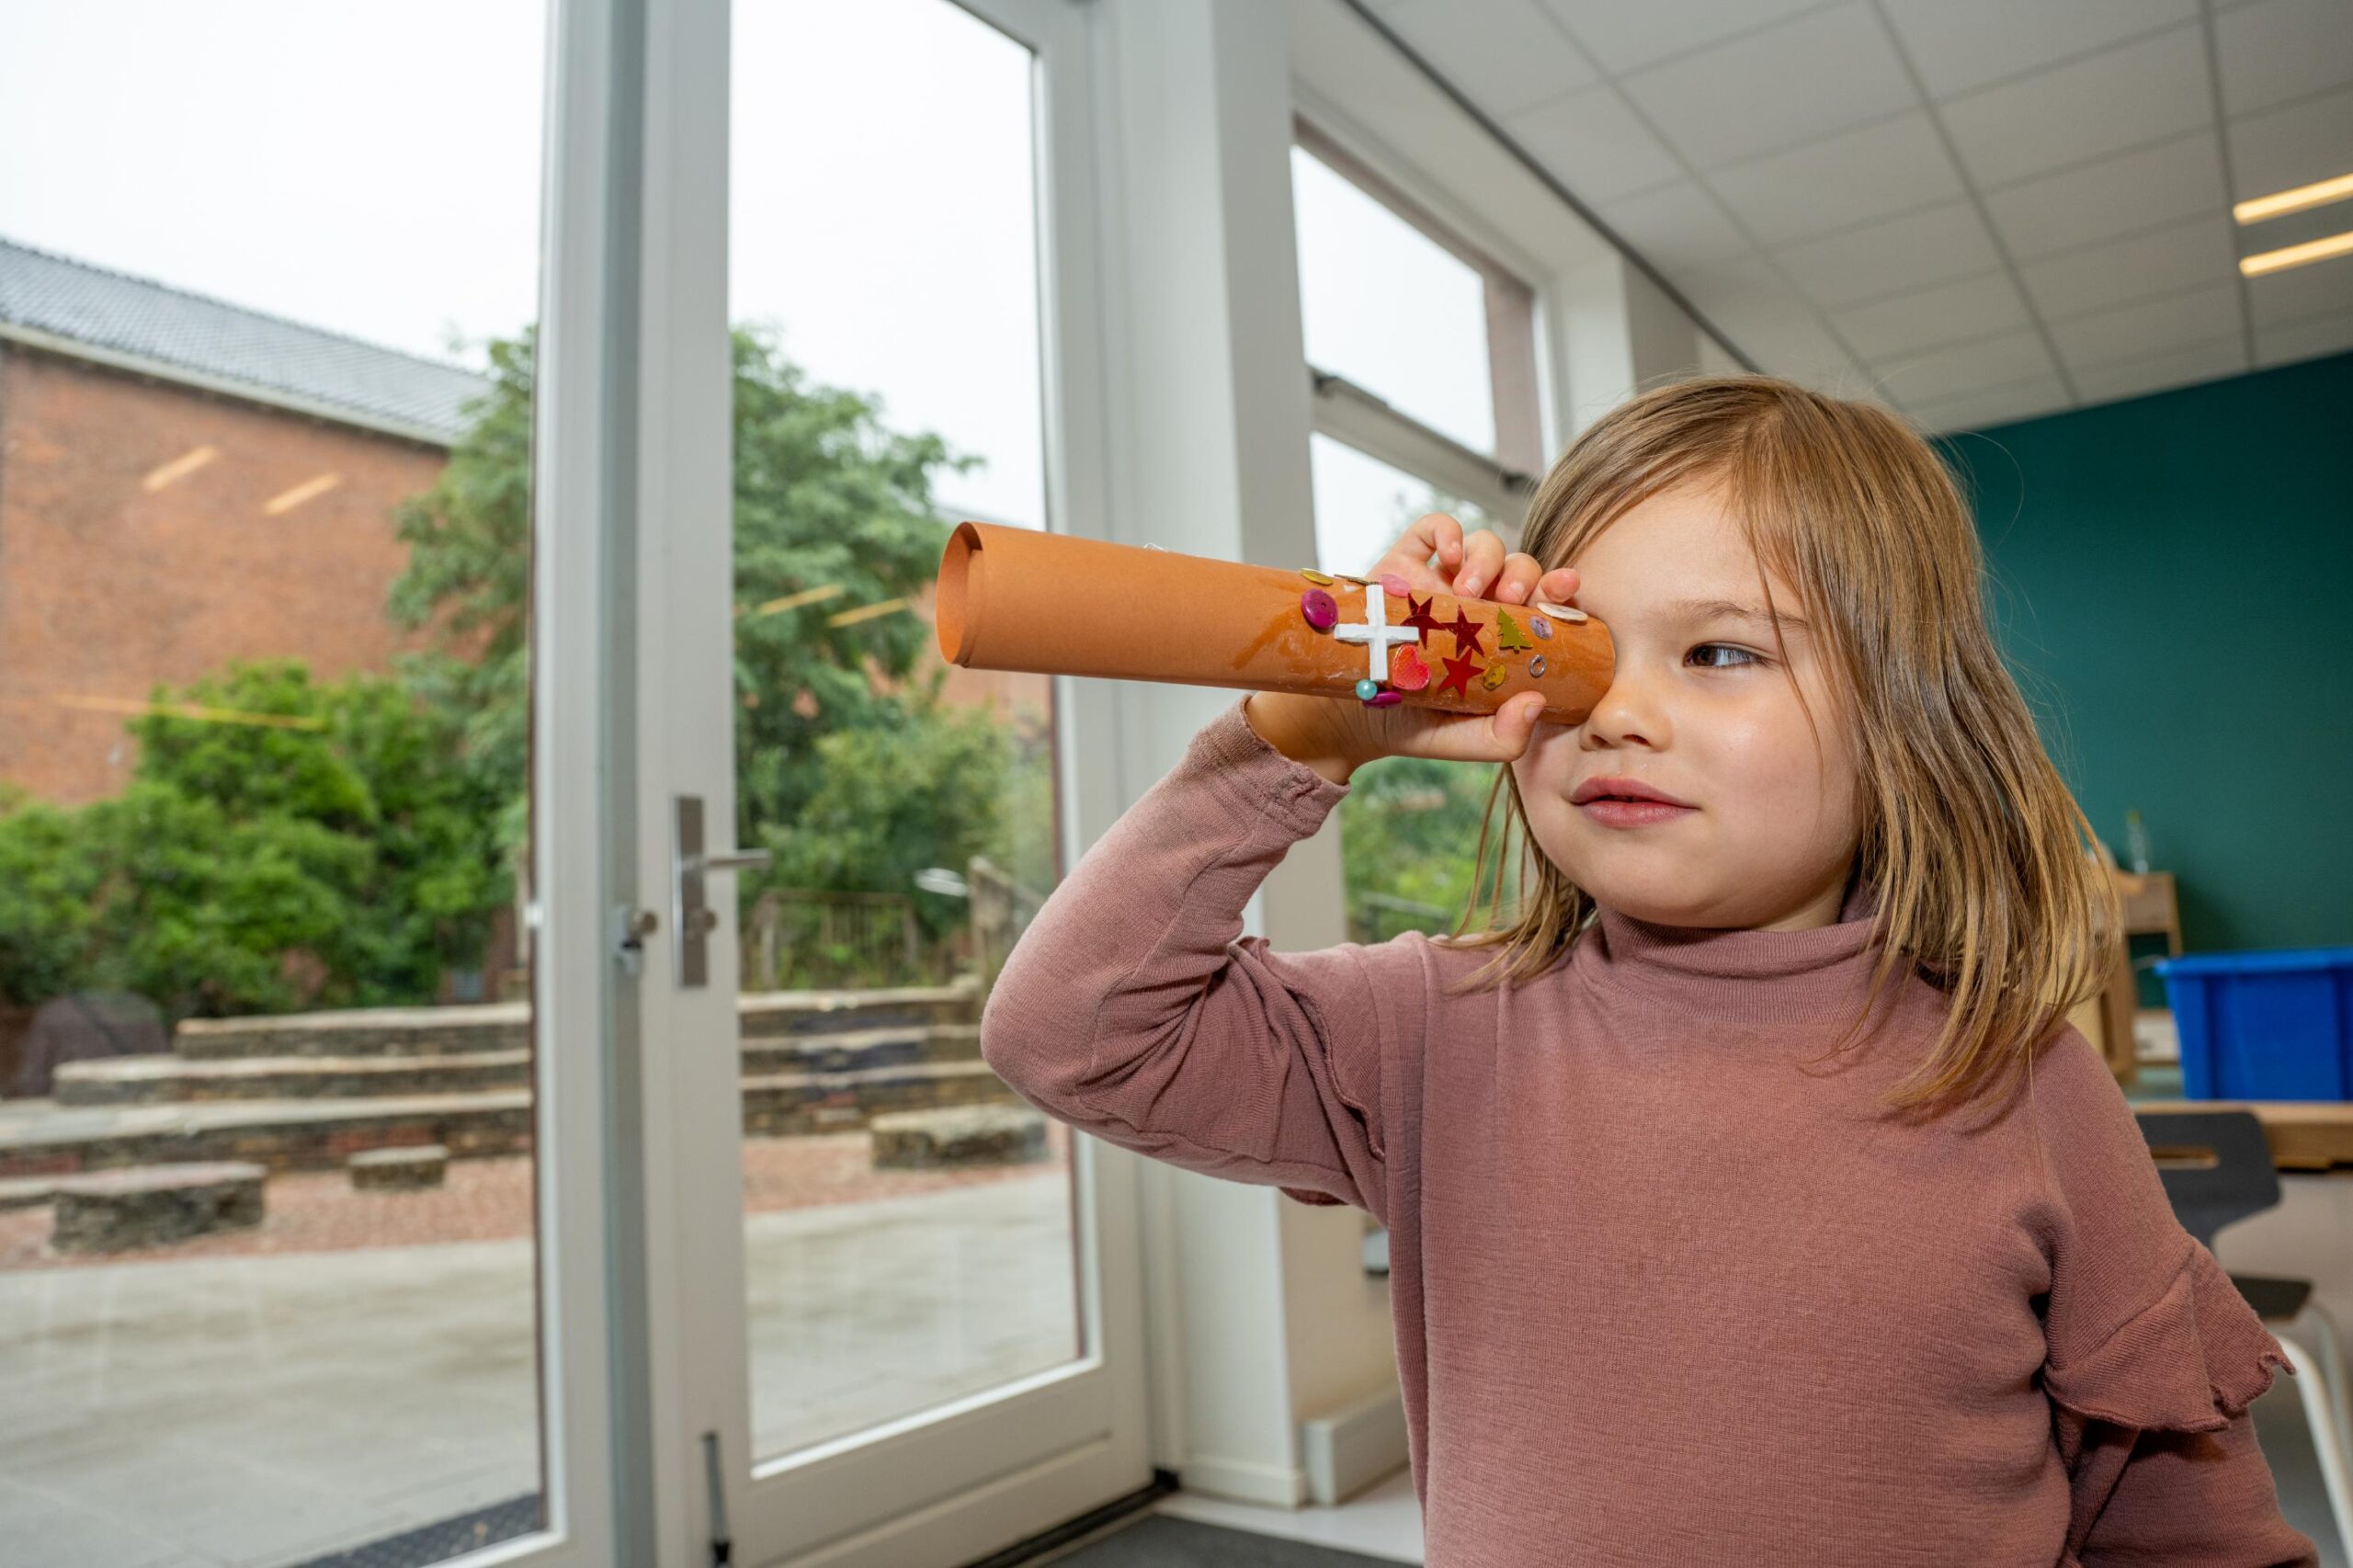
<point>1701,709</point>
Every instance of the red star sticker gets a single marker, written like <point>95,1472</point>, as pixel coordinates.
<point>1466,631</point>
<point>1459,668</point>
<point>1421,619</point>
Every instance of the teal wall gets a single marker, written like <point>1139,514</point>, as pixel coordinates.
<point>2172,581</point>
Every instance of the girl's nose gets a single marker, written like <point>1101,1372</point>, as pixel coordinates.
<point>1629,714</point>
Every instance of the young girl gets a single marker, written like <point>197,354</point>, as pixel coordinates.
<point>1750,1200</point>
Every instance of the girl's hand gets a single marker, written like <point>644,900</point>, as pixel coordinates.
<point>1335,737</point>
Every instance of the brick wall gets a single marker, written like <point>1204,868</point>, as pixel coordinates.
<point>107,587</point>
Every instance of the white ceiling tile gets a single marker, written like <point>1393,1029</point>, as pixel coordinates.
<point>1624,35</point>
<point>1974,307</point>
<point>2180,256</point>
<point>1799,346</point>
<point>2321,287</point>
<point>1597,144</point>
<point>1675,227</point>
<point>1966,367</point>
<point>1993,405</point>
<point>2116,196</point>
<point>1958,47</point>
<point>1506,55</point>
<point>2134,332</point>
<point>2281,50</point>
<point>1910,252</point>
<point>2112,101</point>
<point>1806,77</point>
<point>2176,367</point>
<point>2305,339</point>
<point>1892,166</point>
<point>2293,146</point>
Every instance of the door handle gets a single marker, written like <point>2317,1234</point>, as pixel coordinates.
<point>693,919</point>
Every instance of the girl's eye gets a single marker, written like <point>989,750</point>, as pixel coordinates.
<point>1739,656</point>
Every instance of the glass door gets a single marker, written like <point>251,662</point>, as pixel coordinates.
<point>911,1333</point>
<point>299,1241</point>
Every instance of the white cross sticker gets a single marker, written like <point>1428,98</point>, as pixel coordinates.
<point>1376,632</point>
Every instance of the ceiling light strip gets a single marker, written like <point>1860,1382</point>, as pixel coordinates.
<point>2297,255</point>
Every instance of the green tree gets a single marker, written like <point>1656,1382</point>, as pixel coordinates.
<point>848,768</point>
<point>833,514</point>
<point>337,856</point>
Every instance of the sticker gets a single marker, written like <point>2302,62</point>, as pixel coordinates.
<point>1407,673</point>
<point>1509,636</point>
<point>1368,690</point>
<point>1559,612</point>
<point>1466,631</point>
<point>1538,625</point>
<point>1397,586</point>
<point>1495,676</point>
<point>1459,668</point>
<point>1536,665</point>
<point>1314,576</point>
<point>1320,608</point>
<point>1375,633</point>
<point>1388,700</point>
<point>1419,618</point>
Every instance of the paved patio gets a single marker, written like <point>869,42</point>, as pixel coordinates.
<point>252,1411</point>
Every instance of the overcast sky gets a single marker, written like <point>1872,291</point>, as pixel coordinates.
<point>375,170</point>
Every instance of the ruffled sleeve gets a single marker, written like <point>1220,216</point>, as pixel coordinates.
<point>2154,1356</point>
<point>2193,1360</point>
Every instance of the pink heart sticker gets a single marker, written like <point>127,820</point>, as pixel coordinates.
<point>1406,670</point>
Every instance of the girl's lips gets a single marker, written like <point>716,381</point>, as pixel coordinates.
<point>1614,812</point>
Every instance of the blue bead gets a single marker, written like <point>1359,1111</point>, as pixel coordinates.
<point>1367,689</point>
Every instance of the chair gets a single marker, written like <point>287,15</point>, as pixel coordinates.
<point>2217,1169</point>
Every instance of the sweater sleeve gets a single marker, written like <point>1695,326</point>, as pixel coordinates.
<point>1132,1009</point>
<point>2154,1356</point>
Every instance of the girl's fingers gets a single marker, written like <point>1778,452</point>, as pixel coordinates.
<point>1558,587</point>
<point>1483,562</point>
<point>1518,583</point>
<point>1500,736</point>
<point>1434,534</point>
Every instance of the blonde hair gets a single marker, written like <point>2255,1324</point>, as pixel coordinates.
<point>1975,849</point>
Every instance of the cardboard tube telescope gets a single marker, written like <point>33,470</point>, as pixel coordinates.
<point>1050,604</point>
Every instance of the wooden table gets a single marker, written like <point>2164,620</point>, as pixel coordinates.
<point>2304,1135</point>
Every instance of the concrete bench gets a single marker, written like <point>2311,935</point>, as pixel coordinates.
<point>147,1206</point>
<point>408,1168</point>
<point>958,1135</point>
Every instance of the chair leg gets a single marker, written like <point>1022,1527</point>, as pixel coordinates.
<point>2328,1439</point>
<point>2330,1348</point>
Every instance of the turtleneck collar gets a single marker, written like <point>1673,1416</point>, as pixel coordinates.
<point>1743,976</point>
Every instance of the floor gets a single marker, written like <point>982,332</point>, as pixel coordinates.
<point>252,1411</point>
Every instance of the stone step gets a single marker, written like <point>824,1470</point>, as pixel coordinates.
<point>359,1031</point>
<point>506,1026</point>
<point>39,1139</point>
<point>172,1079</point>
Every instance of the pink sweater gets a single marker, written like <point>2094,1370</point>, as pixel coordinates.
<point>1660,1296</point>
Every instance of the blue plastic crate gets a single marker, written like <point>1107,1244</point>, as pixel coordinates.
<point>2267,1025</point>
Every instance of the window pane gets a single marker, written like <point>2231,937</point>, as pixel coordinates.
<point>1363,504</point>
<point>908,1232</point>
<point>1409,827</point>
<point>1390,309</point>
<point>264,485</point>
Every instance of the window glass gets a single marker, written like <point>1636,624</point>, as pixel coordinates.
<point>1409,827</point>
<point>267,1238</point>
<point>908,1233</point>
<point>1389,308</point>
